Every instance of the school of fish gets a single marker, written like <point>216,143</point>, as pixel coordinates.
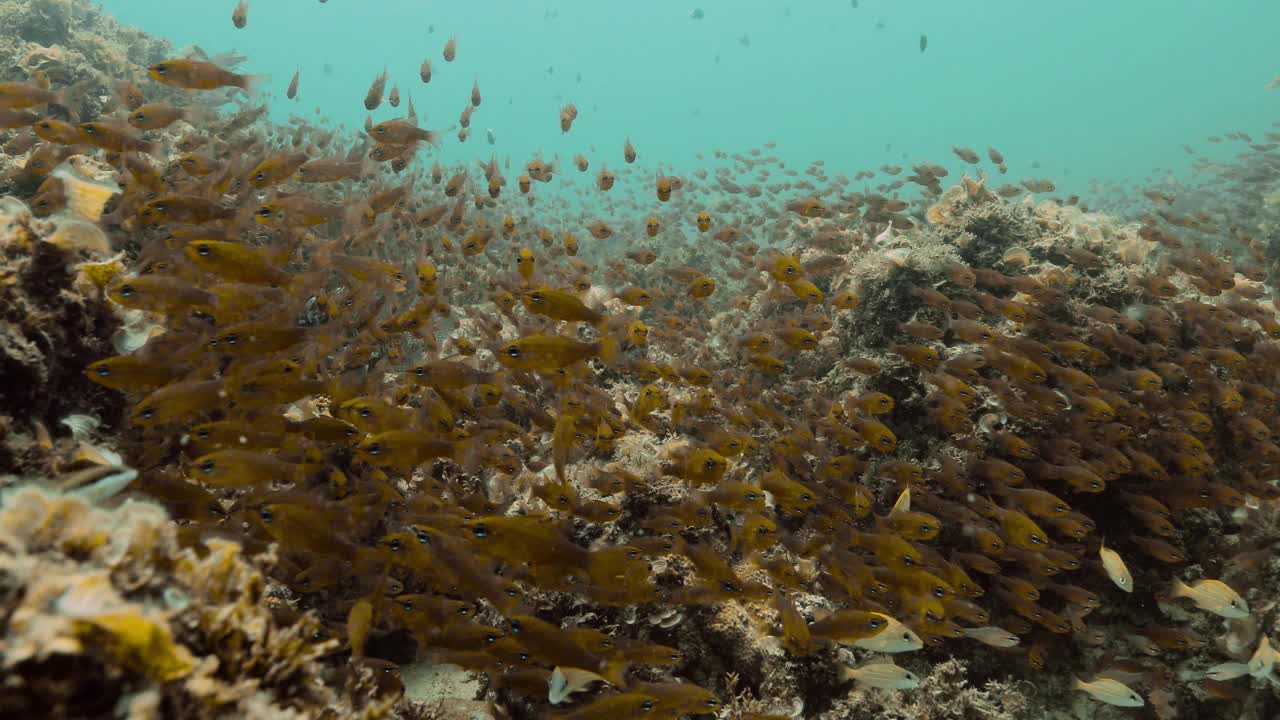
<point>426,385</point>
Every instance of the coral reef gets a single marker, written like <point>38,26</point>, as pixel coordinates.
<point>104,612</point>
<point>420,453</point>
<point>944,694</point>
<point>53,316</point>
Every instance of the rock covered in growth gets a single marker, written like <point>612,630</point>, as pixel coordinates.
<point>53,319</point>
<point>945,694</point>
<point>102,611</point>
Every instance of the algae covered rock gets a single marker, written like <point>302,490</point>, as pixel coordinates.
<point>103,610</point>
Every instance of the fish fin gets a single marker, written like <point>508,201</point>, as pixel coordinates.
<point>608,350</point>
<point>614,673</point>
<point>252,84</point>
<point>431,137</point>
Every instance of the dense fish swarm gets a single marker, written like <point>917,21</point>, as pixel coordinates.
<point>747,442</point>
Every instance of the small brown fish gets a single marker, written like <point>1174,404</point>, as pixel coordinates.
<point>402,132</point>
<point>373,98</point>
<point>240,16</point>
<point>424,72</point>
<point>200,75</point>
<point>113,138</point>
<point>129,95</point>
<point>451,48</point>
<point>157,116</point>
<point>20,95</point>
<point>292,92</point>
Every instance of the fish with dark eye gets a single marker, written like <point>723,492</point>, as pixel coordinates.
<point>113,138</point>
<point>57,131</point>
<point>406,448</point>
<point>1160,550</point>
<point>552,352</point>
<point>849,625</point>
<point>237,468</point>
<point>276,169</point>
<point>559,305</point>
<point>403,132</point>
<point>133,373</point>
<point>161,294</point>
<point>239,263</point>
<point>1111,692</point>
<point>615,707</point>
<point>194,209</point>
<point>1021,531</point>
<point>259,336</point>
<point>192,74</point>
<point>158,115</point>
<point>50,197</point>
<point>1213,596</point>
<point>179,402</point>
<point>451,375</point>
<point>297,211</point>
<point>915,526</point>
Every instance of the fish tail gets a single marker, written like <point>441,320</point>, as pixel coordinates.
<point>430,137</point>
<point>615,671</point>
<point>252,84</point>
<point>66,97</point>
<point>608,349</point>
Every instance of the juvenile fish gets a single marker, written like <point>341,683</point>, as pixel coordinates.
<point>882,675</point>
<point>1115,568</point>
<point>1214,596</point>
<point>1110,692</point>
<point>200,75</point>
<point>993,636</point>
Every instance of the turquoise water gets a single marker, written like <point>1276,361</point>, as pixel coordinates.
<point>1085,89</point>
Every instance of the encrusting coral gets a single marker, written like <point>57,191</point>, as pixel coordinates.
<point>103,611</point>
<point>52,316</point>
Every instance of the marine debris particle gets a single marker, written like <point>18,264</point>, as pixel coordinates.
<point>913,403</point>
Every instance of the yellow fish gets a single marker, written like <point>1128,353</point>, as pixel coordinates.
<point>894,638</point>
<point>1213,595</point>
<point>881,675</point>
<point>552,352</point>
<point>1115,568</point>
<point>1110,692</point>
